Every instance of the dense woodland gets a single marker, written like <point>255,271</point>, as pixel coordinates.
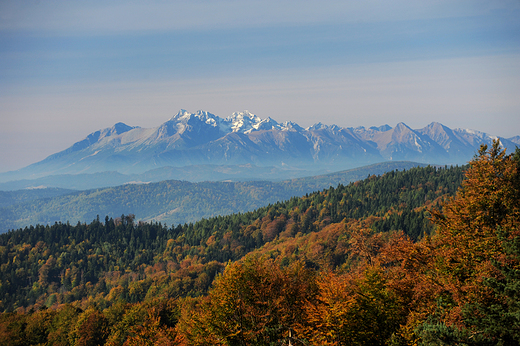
<point>8,198</point>
<point>426,256</point>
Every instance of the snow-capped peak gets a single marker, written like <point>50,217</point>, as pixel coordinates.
<point>246,122</point>
<point>206,117</point>
<point>243,122</point>
<point>290,125</point>
<point>117,129</point>
<point>321,126</point>
<point>266,124</point>
<point>236,116</point>
<point>316,126</point>
<point>180,115</point>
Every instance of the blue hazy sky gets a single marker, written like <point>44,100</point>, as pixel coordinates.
<point>69,68</point>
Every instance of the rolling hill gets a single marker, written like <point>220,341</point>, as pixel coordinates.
<point>173,201</point>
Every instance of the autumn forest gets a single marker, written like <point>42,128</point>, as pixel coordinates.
<point>426,256</point>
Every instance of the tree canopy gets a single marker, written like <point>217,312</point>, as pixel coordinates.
<point>360,264</point>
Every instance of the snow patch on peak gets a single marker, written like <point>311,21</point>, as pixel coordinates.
<point>472,132</point>
<point>118,129</point>
<point>317,126</point>
<point>320,126</point>
<point>246,122</point>
<point>183,118</point>
<point>479,136</point>
<point>180,114</point>
<point>243,122</point>
<point>417,145</point>
<point>266,124</point>
<point>207,117</point>
<point>290,125</point>
<point>243,115</point>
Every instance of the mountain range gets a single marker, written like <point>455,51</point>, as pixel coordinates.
<point>201,138</point>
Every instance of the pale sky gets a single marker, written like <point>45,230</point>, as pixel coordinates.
<point>69,68</point>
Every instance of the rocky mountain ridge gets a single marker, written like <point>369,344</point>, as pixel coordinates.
<point>203,138</point>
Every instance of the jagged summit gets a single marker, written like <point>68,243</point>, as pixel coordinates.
<point>242,121</point>
<point>291,126</point>
<point>317,126</point>
<point>382,128</point>
<point>245,138</point>
<point>119,128</point>
<point>202,115</point>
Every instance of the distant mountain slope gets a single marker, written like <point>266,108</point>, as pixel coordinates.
<point>176,202</point>
<point>203,138</point>
<point>193,173</point>
<point>70,181</point>
<point>8,198</point>
<point>515,139</point>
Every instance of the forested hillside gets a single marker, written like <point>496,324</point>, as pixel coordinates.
<point>357,264</point>
<point>170,202</point>
<point>84,253</point>
<point>8,198</point>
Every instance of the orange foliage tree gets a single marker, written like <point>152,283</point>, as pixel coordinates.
<point>353,309</point>
<point>467,239</point>
<point>470,246</point>
<point>254,302</point>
